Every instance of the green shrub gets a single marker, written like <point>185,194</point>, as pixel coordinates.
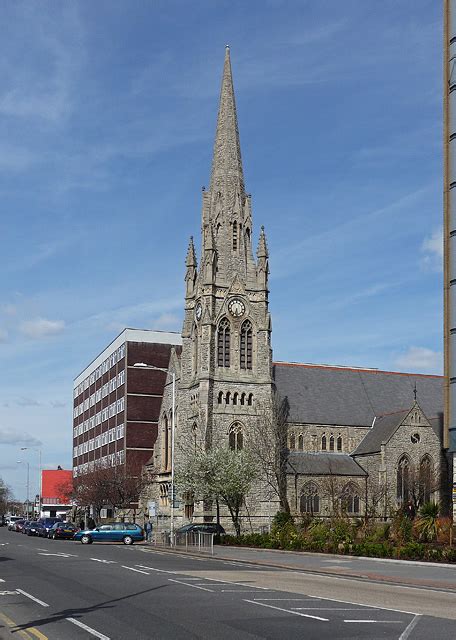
<point>318,532</point>
<point>427,523</point>
<point>341,530</point>
<point>373,549</point>
<point>401,530</point>
<point>449,554</point>
<point>378,532</point>
<point>412,551</point>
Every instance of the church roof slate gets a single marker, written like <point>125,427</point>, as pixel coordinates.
<point>316,464</point>
<point>320,394</point>
<point>381,431</point>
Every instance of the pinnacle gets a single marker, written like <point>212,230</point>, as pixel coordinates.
<point>262,251</point>
<point>190,260</point>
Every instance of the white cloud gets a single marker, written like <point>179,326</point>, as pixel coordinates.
<point>13,437</point>
<point>167,322</point>
<point>432,249</point>
<point>27,402</point>
<point>421,359</point>
<point>41,328</point>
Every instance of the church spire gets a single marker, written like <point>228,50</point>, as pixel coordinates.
<point>227,174</point>
<point>191,264</point>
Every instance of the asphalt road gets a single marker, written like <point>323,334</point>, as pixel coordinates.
<point>63,590</point>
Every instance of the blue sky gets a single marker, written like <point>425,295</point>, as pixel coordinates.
<point>107,118</point>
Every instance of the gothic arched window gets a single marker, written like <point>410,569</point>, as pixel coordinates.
<point>194,436</point>
<point>301,442</point>
<point>425,479</point>
<point>292,441</point>
<point>331,443</point>
<point>310,499</point>
<point>235,236</point>
<point>323,443</point>
<point>220,397</point>
<point>223,343</point>
<point>235,397</point>
<point>403,479</point>
<point>242,398</point>
<point>250,399</point>
<point>339,443</point>
<point>235,437</point>
<point>165,442</point>
<point>350,498</point>
<point>246,345</point>
<point>227,397</point>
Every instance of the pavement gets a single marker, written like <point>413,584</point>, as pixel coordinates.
<point>62,590</point>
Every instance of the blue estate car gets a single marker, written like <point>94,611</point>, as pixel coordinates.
<point>125,532</point>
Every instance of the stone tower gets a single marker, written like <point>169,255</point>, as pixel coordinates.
<point>224,371</point>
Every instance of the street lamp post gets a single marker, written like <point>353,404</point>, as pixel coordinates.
<point>173,423</point>
<point>39,475</point>
<point>28,483</point>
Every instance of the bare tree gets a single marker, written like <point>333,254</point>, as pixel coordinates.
<point>270,446</point>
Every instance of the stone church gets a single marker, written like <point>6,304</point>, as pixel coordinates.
<point>357,439</point>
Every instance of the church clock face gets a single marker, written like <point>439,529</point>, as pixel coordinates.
<point>236,307</point>
<point>198,311</point>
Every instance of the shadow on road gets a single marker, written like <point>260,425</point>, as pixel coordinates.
<point>80,611</point>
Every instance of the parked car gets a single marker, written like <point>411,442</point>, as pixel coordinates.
<point>206,527</point>
<point>18,525</point>
<point>33,528</point>
<point>125,532</point>
<point>25,525</point>
<point>48,523</point>
<point>12,522</point>
<point>63,530</point>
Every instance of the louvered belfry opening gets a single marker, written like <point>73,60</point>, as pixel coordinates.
<point>223,343</point>
<point>246,345</point>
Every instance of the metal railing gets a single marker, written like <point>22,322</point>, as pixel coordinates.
<point>188,541</point>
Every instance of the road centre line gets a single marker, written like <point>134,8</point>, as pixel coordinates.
<point>28,595</point>
<point>190,585</point>
<point>296,613</point>
<point>241,590</point>
<point>93,632</point>
<point>239,584</point>
<point>286,599</point>
<point>137,570</point>
<point>1,580</point>
<point>370,606</point>
<point>326,609</point>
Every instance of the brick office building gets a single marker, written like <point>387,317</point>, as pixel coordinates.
<point>116,404</point>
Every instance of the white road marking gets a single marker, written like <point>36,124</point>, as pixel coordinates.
<point>8,593</point>
<point>370,606</point>
<point>28,595</point>
<point>296,613</point>
<point>326,609</point>
<point>239,584</point>
<point>162,570</point>
<point>104,561</point>
<point>408,630</point>
<point>286,599</point>
<point>97,634</point>
<point>1,580</point>
<point>137,570</point>
<point>240,590</point>
<point>377,621</point>
<point>59,555</point>
<point>190,585</point>
<point>333,561</point>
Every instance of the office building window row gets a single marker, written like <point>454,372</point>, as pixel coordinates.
<point>111,460</point>
<point>104,391</point>
<point>99,441</point>
<point>104,367</point>
<point>109,412</point>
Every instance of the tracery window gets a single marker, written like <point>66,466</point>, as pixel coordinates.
<point>310,499</point>
<point>403,479</point>
<point>425,479</point>
<point>246,345</point>
<point>339,443</point>
<point>301,442</point>
<point>292,441</point>
<point>331,443</point>
<point>223,343</point>
<point>323,443</point>
<point>235,437</point>
<point>350,499</point>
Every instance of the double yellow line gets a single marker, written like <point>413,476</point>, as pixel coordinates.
<point>22,634</point>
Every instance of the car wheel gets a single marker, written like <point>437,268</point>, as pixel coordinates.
<point>86,540</point>
<point>128,540</point>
